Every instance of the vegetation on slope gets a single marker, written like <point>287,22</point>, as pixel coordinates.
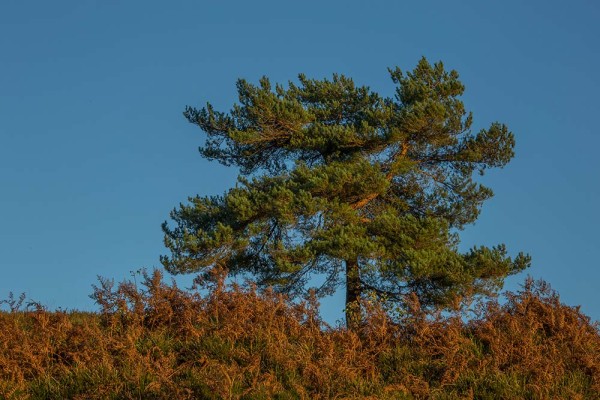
<point>218,341</point>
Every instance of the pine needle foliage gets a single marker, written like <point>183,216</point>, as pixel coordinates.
<point>338,181</point>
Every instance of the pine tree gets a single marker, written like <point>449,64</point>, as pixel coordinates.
<point>339,182</point>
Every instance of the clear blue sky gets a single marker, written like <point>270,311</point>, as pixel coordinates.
<point>94,151</point>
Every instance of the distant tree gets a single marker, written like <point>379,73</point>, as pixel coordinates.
<point>360,189</point>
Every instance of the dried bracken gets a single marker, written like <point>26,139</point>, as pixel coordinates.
<point>225,342</point>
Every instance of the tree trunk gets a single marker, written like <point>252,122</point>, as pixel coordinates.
<point>353,291</point>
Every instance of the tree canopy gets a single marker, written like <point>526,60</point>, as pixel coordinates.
<point>337,181</point>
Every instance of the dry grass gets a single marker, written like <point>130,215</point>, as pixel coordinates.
<point>160,341</point>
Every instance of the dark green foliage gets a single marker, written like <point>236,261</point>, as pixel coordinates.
<point>340,181</point>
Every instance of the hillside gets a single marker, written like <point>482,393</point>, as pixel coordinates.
<point>218,341</point>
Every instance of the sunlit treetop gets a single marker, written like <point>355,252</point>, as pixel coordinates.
<point>340,182</point>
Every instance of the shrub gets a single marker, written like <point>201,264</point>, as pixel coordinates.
<point>219,341</point>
